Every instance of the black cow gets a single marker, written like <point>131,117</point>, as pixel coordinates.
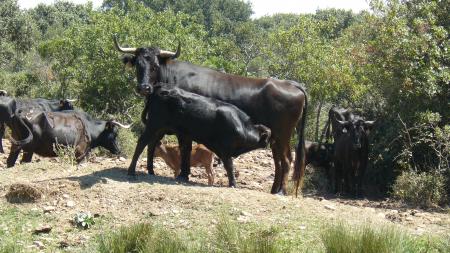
<point>31,107</point>
<point>351,149</point>
<point>332,128</point>
<point>278,104</point>
<point>10,118</point>
<point>221,127</point>
<point>69,128</point>
<point>3,93</point>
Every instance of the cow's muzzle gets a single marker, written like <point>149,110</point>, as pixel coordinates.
<point>145,89</point>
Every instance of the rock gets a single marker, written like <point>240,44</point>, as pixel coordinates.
<point>242,219</point>
<point>38,244</point>
<point>243,213</point>
<point>65,196</point>
<point>409,219</point>
<point>122,159</point>
<point>302,227</point>
<point>63,244</point>
<point>330,207</point>
<point>48,209</point>
<point>70,203</point>
<point>43,230</point>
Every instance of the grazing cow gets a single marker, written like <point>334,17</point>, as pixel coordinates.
<point>200,156</point>
<point>30,107</point>
<point>221,127</point>
<point>50,130</point>
<point>9,117</point>
<point>351,149</point>
<point>278,104</point>
<point>3,93</point>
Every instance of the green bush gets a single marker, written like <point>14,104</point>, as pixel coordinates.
<point>228,237</point>
<point>141,238</point>
<point>425,189</point>
<point>127,142</point>
<point>342,238</point>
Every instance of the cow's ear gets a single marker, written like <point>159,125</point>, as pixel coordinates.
<point>109,125</point>
<point>129,60</point>
<point>61,102</point>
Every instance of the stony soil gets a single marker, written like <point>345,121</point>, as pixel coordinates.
<point>102,187</point>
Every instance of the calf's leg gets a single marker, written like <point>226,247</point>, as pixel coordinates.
<point>2,133</point>
<point>209,172</point>
<point>147,137</point>
<point>228,164</point>
<point>185,144</point>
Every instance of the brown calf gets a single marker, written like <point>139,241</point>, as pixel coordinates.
<point>200,157</point>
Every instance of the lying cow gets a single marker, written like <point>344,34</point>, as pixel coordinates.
<point>351,149</point>
<point>30,107</point>
<point>318,154</point>
<point>221,127</point>
<point>200,157</point>
<point>51,130</point>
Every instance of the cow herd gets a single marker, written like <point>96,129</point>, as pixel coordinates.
<point>228,114</point>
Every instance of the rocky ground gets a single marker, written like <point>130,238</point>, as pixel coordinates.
<point>102,187</point>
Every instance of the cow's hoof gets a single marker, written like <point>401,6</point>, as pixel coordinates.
<point>281,193</point>
<point>184,179</point>
<point>151,172</point>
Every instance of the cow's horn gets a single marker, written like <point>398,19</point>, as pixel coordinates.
<point>120,124</point>
<point>71,100</point>
<point>4,92</point>
<point>166,54</point>
<point>130,50</point>
<point>343,123</point>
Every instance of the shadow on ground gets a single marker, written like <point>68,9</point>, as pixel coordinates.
<point>120,175</point>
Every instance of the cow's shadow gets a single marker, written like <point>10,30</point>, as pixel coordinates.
<point>120,175</point>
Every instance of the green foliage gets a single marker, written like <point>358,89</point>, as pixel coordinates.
<point>423,189</point>
<point>227,237</point>
<point>342,238</point>
<point>141,238</point>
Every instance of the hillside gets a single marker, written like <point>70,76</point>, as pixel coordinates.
<point>102,187</point>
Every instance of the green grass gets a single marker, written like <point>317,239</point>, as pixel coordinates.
<point>342,238</point>
<point>227,237</point>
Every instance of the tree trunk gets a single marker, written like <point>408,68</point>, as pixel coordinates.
<point>319,109</point>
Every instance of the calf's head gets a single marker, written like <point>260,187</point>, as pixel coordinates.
<point>3,93</point>
<point>357,129</point>
<point>147,64</point>
<point>264,135</point>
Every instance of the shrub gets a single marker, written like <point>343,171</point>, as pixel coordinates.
<point>424,189</point>
<point>342,238</point>
<point>141,238</point>
<point>127,142</point>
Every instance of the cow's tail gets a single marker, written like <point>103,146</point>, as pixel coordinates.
<point>26,140</point>
<point>299,163</point>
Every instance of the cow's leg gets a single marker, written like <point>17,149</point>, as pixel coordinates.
<point>143,140</point>
<point>185,144</point>
<point>2,134</point>
<point>337,177</point>
<point>285,166</point>
<point>228,164</point>
<point>27,157</point>
<point>150,155</point>
<point>276,187</point>
<point>12,157</point>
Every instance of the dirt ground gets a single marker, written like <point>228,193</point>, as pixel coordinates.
<point>102,187</point>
